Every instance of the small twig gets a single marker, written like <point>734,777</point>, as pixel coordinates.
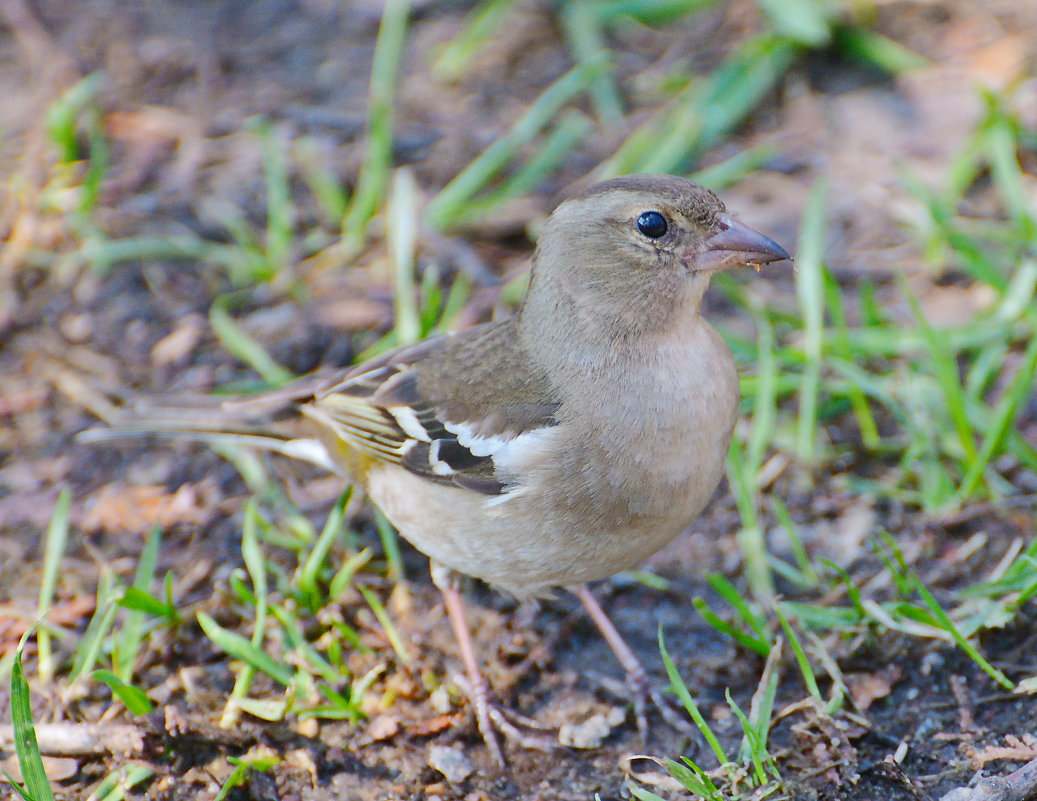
<point>966,722</point>
<point>83,739</point>
<point>980,509</point>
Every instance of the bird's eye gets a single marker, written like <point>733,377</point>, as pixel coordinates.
<point>652,224</point>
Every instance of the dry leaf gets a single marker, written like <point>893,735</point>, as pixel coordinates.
<point>177,344</point>
<point>1023,749</point>
<point>117,508</point>
<point>867,688</point>
<point>426,728</point>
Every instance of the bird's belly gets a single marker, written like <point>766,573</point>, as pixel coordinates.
<point>541,539</point>
<point>592,498</point>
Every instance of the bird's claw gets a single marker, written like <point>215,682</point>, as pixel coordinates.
<point>495,721</point>
<point>639,689</point>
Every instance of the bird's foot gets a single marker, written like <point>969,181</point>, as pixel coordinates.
<point>639,687</point>
<point>639,690</point>
<point>644,692</point>
<point>493,720</point>
<point>496,721</point>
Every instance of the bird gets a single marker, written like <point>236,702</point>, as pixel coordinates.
<point>554,448</point>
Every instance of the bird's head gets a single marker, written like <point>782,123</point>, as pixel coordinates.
<point>640,250</point>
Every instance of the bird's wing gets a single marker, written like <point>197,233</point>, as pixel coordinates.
<point>447,409</point>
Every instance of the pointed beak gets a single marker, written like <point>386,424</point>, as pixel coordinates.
<point>738,245</point>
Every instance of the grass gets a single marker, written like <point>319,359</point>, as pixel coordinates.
<point>948,397</point>
<point>54,550</point>
<point>35,786</point>
<point>933,410</point>
<point>755,772</point>
<point>938,406</point>
<point>374,175</point>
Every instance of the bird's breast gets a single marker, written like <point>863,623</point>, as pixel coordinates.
<point>659,446</point>
<point>631,463</point>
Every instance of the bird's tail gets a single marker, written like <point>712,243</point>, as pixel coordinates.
<point>268,421</point>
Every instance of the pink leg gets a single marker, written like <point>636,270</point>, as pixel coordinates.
<point>638,681</point>
<point>478,689</point>
<point>488,716</point>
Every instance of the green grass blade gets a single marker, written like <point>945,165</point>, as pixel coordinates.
<point>242,346</point>
<point>98,630</point>
<point>140,601</point>
<point>878,50</point>
<point>649,12</point>
<point>684,695</point>
<point>391,632</point>
<point>765,401</point>
<point>448,205</point>
<point>810,293</point>
<point>63,114</point>
<point>801,658</point>
<point>807,571</point>
<point>403,237</point>
<point>119,782</point>
<point>744,465</point>
<point>237,647</point>
<point>37,786</point>
<point>302,651</point>
<point>483,26</point>
<point>761,710</point>
<point>944,621</point>
<point>374,174</point>
<point>127,645</point>
<point>946,370</point>
<point>134,698</point>
<point>1008,409</point>
<point>54,549</point>
<point>730,171</point>
<point>344,577</point>
<point>586,42</point>
<point>641,794</point>
<point>755,644</point>
<point>390,545</point>
<point>749,751</point>
<point>1018,297</point>
<point>571,129</point>
<point>280,210</point>
<point>726,590</point>
<point>841,344</point>
<point>323,183</point>
<point>103,254</point>
<point>1001,143</point>
<point>803,21</point>
<point>704,112</point>
<point>310,570</point>
<point>98,159</point>
<point>255,563</point>
<point>694,779</point>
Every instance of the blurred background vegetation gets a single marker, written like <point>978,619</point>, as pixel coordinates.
<point>220,197</point>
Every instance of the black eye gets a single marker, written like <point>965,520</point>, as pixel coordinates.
<point>651,224</point>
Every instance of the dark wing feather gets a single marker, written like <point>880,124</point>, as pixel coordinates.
<point>404,407</point>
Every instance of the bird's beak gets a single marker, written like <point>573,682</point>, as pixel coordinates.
<point>738,245</point>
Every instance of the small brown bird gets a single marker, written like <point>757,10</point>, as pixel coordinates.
<point>559,446</point>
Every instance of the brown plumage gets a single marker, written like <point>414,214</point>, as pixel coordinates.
<point>566,443</point>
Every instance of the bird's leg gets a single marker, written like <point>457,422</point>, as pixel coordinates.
<point>641,686</point>
<point>488,716</point>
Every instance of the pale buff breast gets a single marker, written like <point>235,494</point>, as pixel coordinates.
<point>627,484</point>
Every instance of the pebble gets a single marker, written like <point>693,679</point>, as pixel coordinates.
<point>593,731</point>
<point>451,762</point>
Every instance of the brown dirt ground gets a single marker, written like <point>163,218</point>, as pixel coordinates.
<point>181,79</point>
